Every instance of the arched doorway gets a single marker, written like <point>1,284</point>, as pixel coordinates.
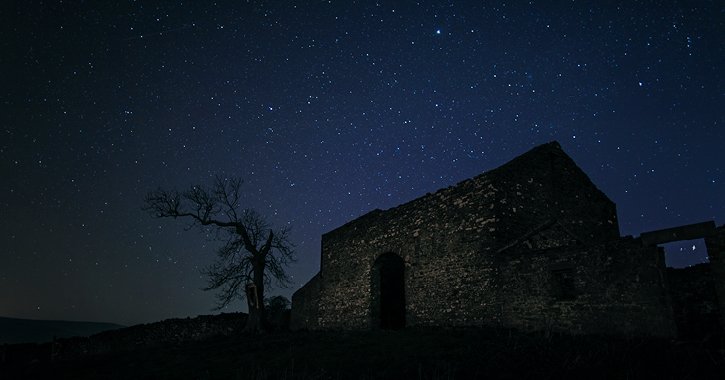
<point>388,292</point>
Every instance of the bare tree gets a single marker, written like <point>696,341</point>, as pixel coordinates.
<point>254,252</point>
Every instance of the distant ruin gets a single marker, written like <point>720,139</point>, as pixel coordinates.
<point>532,245</point>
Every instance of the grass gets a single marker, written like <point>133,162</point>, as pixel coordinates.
<point>406,354</point>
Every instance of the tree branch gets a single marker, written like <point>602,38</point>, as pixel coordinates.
<point>248,237</point>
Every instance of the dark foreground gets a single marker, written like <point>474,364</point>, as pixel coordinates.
<point>407,354</point>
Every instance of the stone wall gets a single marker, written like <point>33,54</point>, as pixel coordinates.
<point>695,303</point>
<point>613,287</point>
<point>169,331</point>
<point>716,253</point>
<point>306,305</point>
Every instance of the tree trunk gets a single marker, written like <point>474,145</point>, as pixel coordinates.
<point>255,302</point>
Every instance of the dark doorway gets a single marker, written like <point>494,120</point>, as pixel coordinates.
<point>388,292</point>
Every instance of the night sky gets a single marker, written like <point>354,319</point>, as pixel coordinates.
<point>327,110</point>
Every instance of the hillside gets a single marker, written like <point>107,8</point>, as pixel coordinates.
<point>406,354</point>
<point>14,330</point>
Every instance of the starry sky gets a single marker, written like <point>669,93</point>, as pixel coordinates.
<point>327,110</point>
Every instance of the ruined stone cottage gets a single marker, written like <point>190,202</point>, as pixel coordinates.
<point>531,245</point>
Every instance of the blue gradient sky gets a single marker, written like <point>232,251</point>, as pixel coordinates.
<point>327,110</point>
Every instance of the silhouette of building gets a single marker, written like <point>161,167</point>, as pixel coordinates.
<point>532,245</point>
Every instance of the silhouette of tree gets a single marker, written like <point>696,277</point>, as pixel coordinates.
<point>254,251</point>
<point>277,309</point>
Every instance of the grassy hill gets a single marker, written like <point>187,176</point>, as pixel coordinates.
<point>407,354</point>
<point>14,330</point>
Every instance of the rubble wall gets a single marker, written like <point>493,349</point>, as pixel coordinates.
<point>169,331</point>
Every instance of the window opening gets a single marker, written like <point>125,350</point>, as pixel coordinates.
<point>564,283</point>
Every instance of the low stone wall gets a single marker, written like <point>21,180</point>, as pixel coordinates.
<point>169,331</point>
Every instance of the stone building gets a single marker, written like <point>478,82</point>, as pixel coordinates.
<point>531,245</point>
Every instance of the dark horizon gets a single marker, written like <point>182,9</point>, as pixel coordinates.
<point>19,331</point>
